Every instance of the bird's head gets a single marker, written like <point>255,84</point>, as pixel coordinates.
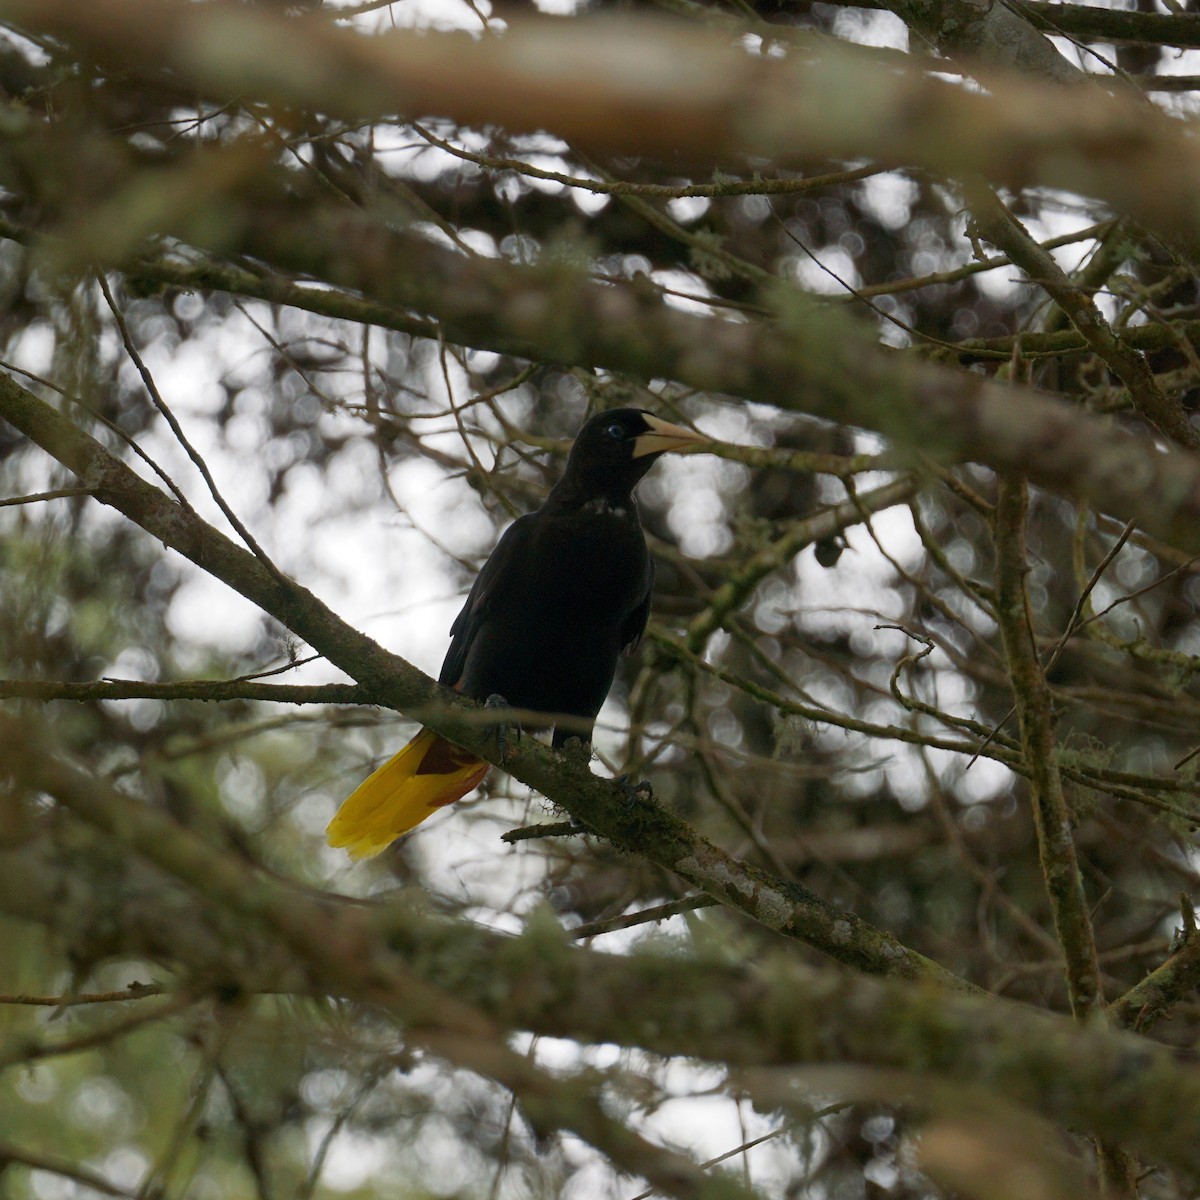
<point>616,448</point>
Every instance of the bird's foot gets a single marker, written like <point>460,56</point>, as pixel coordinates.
<point>580,747</point>
<point>502,729</point>
<point>634,791</point>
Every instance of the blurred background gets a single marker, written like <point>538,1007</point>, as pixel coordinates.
<point>844,718</point>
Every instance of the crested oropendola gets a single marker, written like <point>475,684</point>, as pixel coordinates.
<point>565,591</point>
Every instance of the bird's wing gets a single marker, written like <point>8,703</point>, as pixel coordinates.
<point>635,623</point>
<point>509,549</point>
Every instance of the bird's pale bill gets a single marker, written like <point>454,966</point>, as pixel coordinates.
<point>664,436</point>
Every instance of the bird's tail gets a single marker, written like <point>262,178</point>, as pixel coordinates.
<point>428,773</point>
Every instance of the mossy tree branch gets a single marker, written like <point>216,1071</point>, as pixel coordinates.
<point>386,678</point>
<point>1052,817</point>
<point>811,358</point>
<point>1000,227</point>
<point>191,689</point>
<point>339,953</point>
<point>1056,847</point>
<point>1099,144</point>
<point>226,923</point>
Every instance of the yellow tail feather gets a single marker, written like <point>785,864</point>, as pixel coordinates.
<point>399,795</point>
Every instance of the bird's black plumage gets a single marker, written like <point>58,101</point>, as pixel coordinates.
<point>568,586</point>
<point>565,591</point>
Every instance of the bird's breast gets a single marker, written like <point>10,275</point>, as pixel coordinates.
<point>557,620</point>
<point>598,560</point>
<point>575,586</point>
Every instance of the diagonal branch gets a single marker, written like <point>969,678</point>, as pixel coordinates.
<point>336,949</point>
<point>812,358</point>
<point>227,923</point>
<point>1000,227</point>
<point>602,806</point>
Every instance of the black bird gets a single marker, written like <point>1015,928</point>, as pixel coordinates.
<point>565,591</point>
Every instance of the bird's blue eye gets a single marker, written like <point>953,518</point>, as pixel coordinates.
<point>616,432</point>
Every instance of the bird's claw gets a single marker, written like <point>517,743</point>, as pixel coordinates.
<point>502,728</point>
<point>634,791</point>
<point>578,746</point>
